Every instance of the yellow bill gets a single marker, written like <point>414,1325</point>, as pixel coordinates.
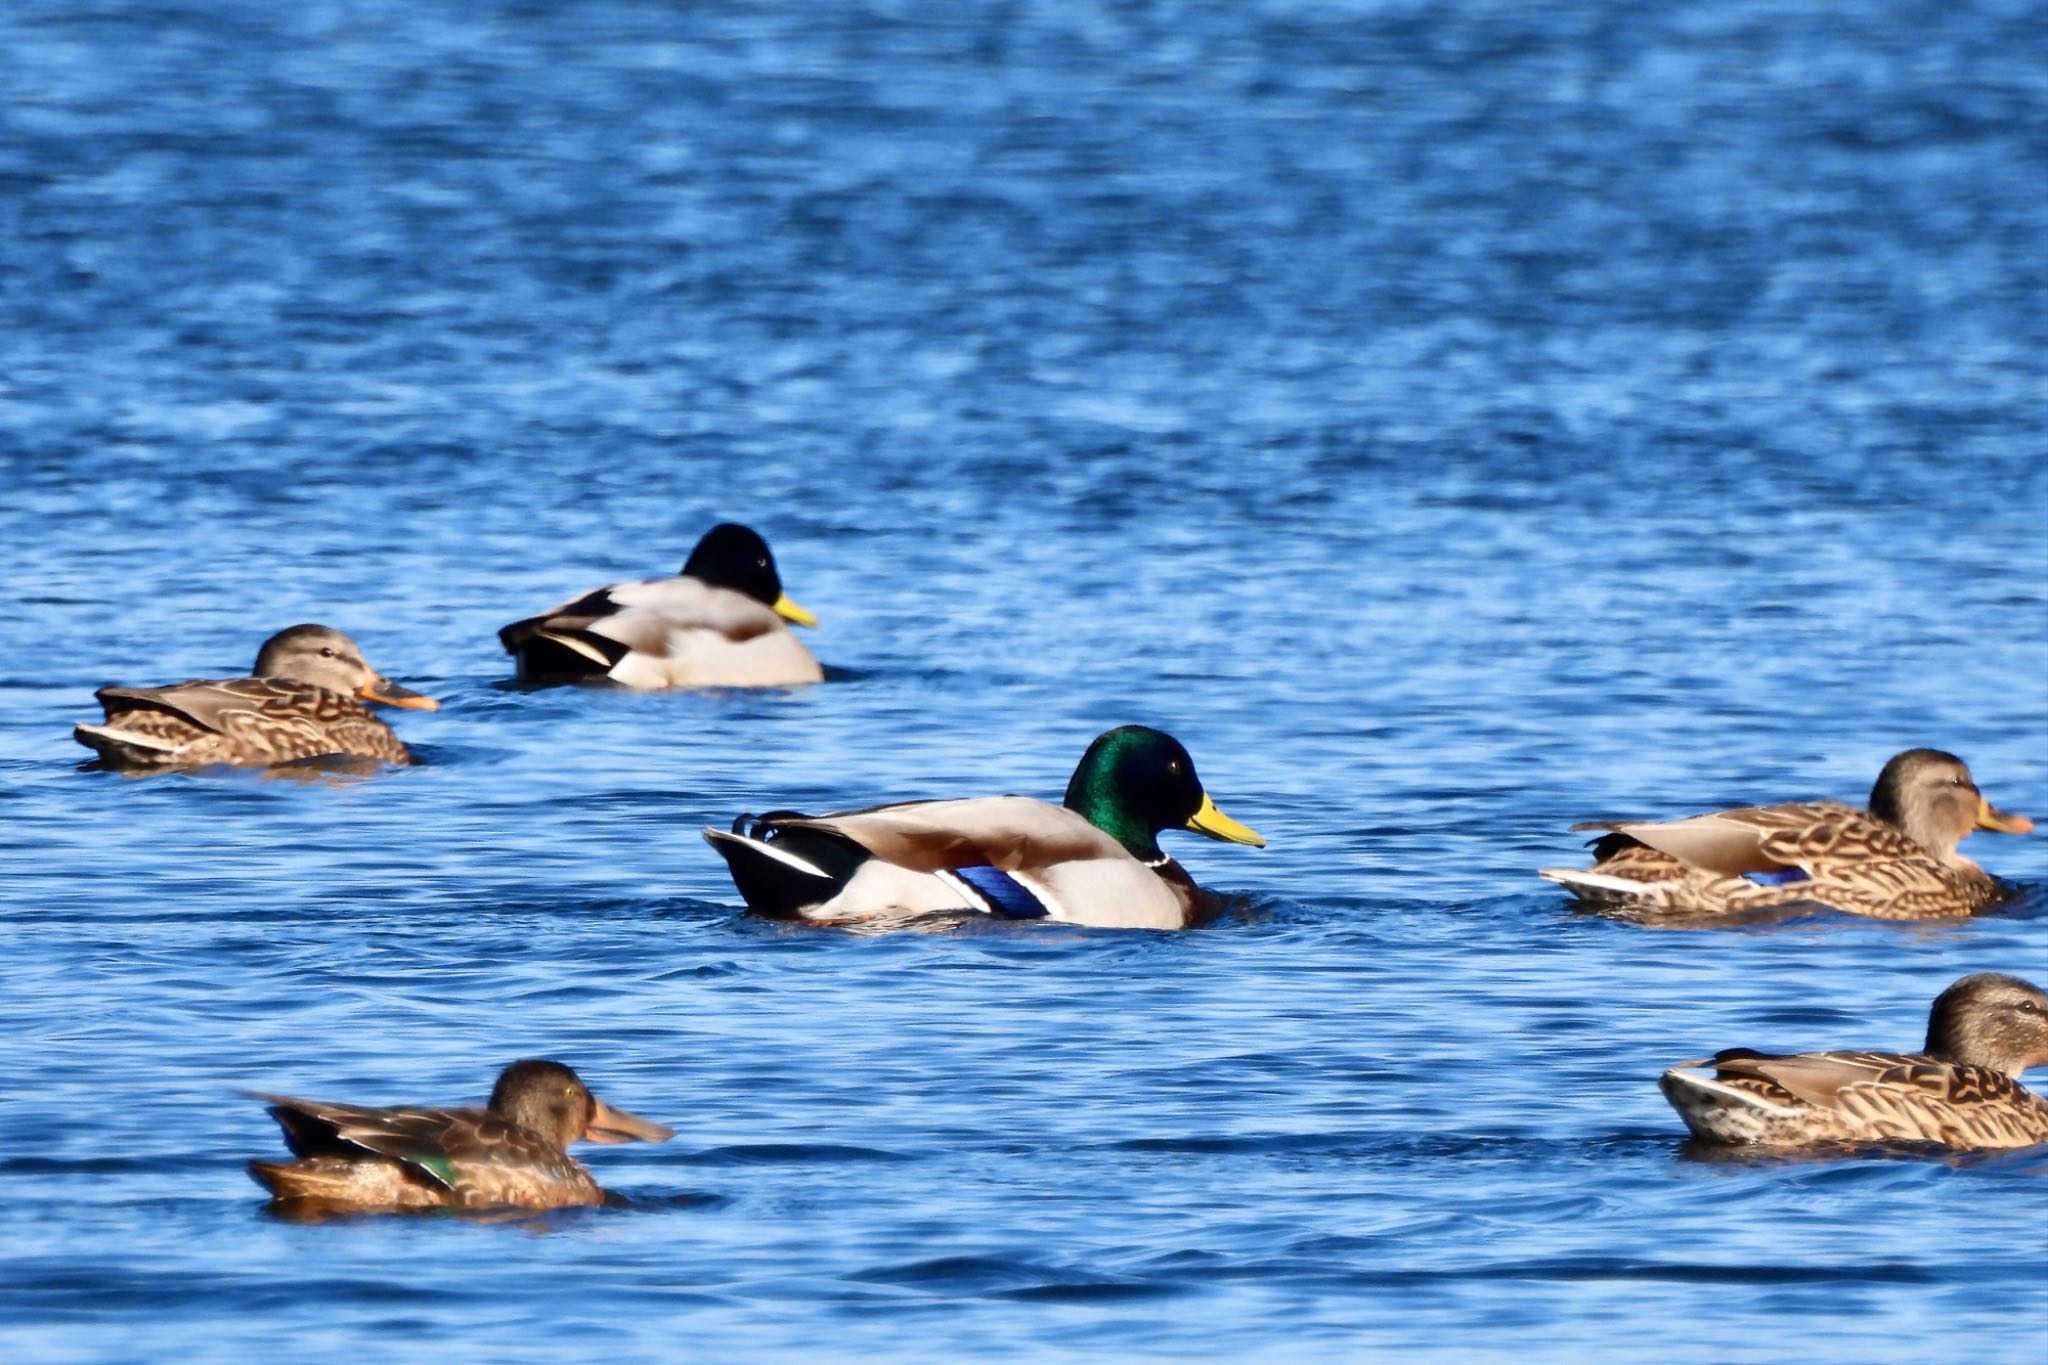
<point>788,610</point>
<point>1216,825</point>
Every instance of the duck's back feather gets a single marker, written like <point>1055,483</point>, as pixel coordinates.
<point>1763,857</point>
<point>661,632</point>
<point>1012,833</point>
<point>1765,838</point>
<point>464,1157</point>
<point>235,720</point>
<point>1745,1096</point>
<point>909,858</point>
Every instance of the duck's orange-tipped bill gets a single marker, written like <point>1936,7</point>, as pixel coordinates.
<point>1992,818</point>
<point>1216,825</point>
<point>616,1125</point>
<point>788,610</point>
<point>385,692</point>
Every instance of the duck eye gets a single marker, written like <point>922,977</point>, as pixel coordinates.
<point>326,652</point>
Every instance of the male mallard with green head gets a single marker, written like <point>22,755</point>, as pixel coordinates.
<point>1093,860</point>
<point>1962,1090</point>
<point>513,1153</point>
<point>303,700</point>
<point>1896,860</point>
<point>721,622</point>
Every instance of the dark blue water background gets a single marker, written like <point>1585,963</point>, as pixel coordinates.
<point>1451,421</point>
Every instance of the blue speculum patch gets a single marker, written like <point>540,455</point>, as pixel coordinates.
<point>1006,896</point>
<point>1784,876</point>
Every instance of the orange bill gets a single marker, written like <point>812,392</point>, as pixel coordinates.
<point>385,692</point>
<point>1992,818</point>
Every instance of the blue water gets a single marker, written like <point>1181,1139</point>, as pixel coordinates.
<point>1450,421</point>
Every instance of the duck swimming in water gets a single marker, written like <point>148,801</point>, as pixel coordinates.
<point>1961,1090</point>
<point>303,699</point>
<point>1095,859</point>
<point>722,622</point>
<point>510,1154</point>
<point>1895,860</point>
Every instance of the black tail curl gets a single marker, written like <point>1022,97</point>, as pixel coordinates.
<point>767,826</point>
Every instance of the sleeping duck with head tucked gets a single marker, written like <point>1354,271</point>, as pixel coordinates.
<point>1961,1090</point>
<point>1895,860</point>
<point>510,1154</point>
<point>722,622</point>
<point>1094,860</point>
<point>304,699</point>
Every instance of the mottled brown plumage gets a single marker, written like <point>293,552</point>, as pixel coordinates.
<point>510,1154</point>
<point>300,702</point>
<point>1961,1090</point>
<point>1896,860</point>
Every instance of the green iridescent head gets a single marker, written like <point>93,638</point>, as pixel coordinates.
<point>1135,781</point>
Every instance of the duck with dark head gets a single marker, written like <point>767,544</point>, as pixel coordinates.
<point>1095,859</point>
<point>722,622</point>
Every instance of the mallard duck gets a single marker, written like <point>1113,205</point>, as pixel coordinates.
<point>1962,1090</point>
<point>510,1154</point>
<point>301,701</point>
<point>1094,860</point>
<point>719,623</point>
<point>1896,860</point>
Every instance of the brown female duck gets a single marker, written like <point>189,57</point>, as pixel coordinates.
<point>1896,860</point>
<point>510,1154</point>
<point>303,700</point>
<point>1962,1090</point>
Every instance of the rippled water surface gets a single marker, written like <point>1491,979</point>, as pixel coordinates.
<point>1450,421</point>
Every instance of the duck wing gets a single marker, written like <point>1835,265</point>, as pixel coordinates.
<point>237,720</point>
<point>418,1138</point>
<point>1898,1095</point>
<point>431,1142</point>
<point>1009,833</point>
<point>1844,857</point>
<point>1815,1078</point>
<point>222,705</point>
<point>642,617</point>
<point>1730,843</point>
<point>1011,856</point>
